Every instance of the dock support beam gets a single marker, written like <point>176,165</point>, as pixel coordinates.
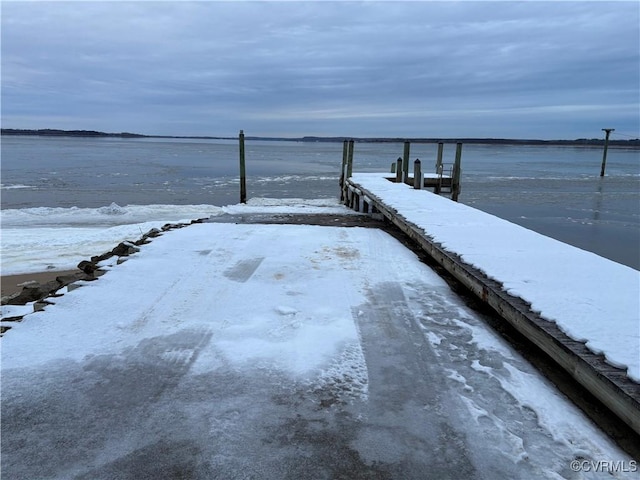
<point>399,172</point>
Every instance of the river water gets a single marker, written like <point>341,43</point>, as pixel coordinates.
<point>556,191</point>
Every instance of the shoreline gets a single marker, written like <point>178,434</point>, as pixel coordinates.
<point>576,142</point>
<point>11,284</point>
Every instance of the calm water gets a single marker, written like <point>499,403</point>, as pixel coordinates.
<point>554,190</point>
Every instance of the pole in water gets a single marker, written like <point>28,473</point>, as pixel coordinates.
<point>606,146</point>
<point>439,157</point>
<point>457,170</point>
<point>243,173</point>
<point>345,150</point>
<point>349,160</point>
<point>405,160</point>
<point>439,168</point>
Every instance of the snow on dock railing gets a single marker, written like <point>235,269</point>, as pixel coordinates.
<point>590,299</point>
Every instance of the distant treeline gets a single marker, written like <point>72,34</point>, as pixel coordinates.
<point>485,141</point>
<point>49,132</point>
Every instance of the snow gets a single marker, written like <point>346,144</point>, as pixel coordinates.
<point>590,298</point>
<point>56,239</point>
<point>289,206</point>
<point>291,330</point>
<point>276,350</point>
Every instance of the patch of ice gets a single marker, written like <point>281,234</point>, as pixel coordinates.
<point>454,375</point>
<point>113,209</point>
<point>475,364</point>
<point>14,187</point>
<point>475,410</point>
<point>434,339</point>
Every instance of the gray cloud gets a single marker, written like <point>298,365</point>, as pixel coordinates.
<point>524,69</point>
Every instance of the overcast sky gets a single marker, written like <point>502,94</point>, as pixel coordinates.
<point>409,69</point>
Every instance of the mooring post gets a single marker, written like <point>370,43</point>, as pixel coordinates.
<point>438,186</point>
<point>417,175</point>
<point>243,173</point>
<point>345,147</point>
<point>347,171</point>
<point>606,146</point>
<point>399,170</point>
<point>439,156</point>
<point>350,160</point>
<point>455,181</point>
<point>405,160</point>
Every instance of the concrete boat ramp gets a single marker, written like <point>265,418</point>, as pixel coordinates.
<point>253,350</point>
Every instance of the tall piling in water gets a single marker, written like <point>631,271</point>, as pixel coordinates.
<point>405,160</point>
<point>439,168</point>
<point>243,173</point>
<point>343,169</point>
<point>606,147</point>
<point>457,170</point>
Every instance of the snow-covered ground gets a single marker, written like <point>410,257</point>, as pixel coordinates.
<point>47,238</point>
<point>589,297</point>
<point>280,351</point>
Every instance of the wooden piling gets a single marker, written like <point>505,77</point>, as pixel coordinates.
<point>399,170</point>
<point>606,147</point>
<point>345,148</point>
<point>350,159</point>
<point>439,157</point>
<point>405,160</point>
<point>455,180</point>
<point>243,173</point>
<point>439,168</point>
<point>347,170</point>
<point>418,180</point>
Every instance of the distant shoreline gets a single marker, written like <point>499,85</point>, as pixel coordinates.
<point>590,142</point>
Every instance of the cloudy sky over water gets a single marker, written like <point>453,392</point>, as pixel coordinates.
<point>409,69</point>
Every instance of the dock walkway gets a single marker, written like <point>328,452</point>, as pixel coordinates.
<point>581,309</point>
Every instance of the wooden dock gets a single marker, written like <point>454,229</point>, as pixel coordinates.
<point>610,385</point>
<point>443,180</point>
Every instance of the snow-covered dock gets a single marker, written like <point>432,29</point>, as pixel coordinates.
<point>581,309</point>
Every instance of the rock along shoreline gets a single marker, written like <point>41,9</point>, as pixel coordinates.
<point>88,270</point>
